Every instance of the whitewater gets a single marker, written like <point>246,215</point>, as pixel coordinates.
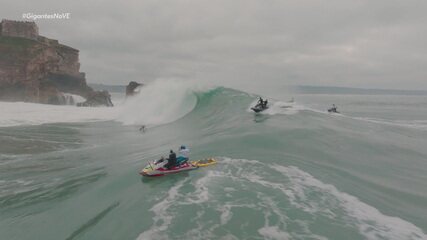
<point>291,172</point>
<point>166,101</point>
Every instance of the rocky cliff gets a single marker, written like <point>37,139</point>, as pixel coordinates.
<point>132,88</point>
<point>39,69</point>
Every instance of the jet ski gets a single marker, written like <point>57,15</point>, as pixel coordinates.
<point>259,108</point>
<point>333,110</point>
<point>157,168</point>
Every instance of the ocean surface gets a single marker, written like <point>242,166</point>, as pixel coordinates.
<point>292,172</point>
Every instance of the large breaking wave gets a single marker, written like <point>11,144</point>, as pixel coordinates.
<point>157,103</point>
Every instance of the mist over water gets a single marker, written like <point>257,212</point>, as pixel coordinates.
<point>293,172</point>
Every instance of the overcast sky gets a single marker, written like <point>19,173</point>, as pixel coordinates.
<point>359,43</point>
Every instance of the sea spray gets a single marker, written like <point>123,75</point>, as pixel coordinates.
<point>158,103</point>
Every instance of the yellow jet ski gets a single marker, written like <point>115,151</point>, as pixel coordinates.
<point>204,162</point>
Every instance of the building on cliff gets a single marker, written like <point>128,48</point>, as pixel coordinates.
<point>37,69</point>
<point>9,28</point>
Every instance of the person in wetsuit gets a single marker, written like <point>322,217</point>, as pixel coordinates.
<point>260,102</point>
<point>142,129</point>
<point>171,160</point>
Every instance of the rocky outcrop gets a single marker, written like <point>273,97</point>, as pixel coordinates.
<point>39,69</point>
<point>132,88</point>
<point>96,99</point>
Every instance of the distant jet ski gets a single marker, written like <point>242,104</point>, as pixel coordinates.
<point>157,168</point>
<point>259,108</point>
<point>333,109</point>
<point>261,105</point>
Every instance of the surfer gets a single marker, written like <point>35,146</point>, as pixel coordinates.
<point>333,109</point>
<point>142,129</point>
<point>183,155</point>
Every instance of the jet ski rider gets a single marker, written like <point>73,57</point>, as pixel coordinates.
<point>262,103</point>
<point>171,160</point>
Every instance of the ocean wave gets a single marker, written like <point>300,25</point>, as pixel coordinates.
<point>219,193</point>
<point>416,124</point>
<point>20,113</point>
<point>159,102</point>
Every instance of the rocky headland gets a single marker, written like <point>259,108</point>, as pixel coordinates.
<point>37,69</point>
<point>133,88</point>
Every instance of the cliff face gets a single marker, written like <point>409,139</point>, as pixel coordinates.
<point>38,69</point>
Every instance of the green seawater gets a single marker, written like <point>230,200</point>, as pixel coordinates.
<point>293,172</point>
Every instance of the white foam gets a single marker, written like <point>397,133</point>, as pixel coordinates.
<point>290,108</point>
<point>298,188</point>
<point>76,98</point>
<point>273,232</point>
<point>162,217</point>
<point>417,124</point>
<point>20,113</point>
<point>229,189</point>
<point>228,237</point>
<point>202,191</point>
<point>371,222</point>
<point>226,213</point>
<point>282,108</point>
<point>163,211</point>
<point>285,108</point>
<point>276,231</point>
<point>159,102</point>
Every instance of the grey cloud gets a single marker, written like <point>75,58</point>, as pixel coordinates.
<point>234,43</point>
